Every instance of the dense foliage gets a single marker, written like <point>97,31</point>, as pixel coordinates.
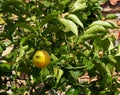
<point>73,33</point>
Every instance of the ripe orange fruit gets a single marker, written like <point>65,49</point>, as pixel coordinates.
<point>41,59</point>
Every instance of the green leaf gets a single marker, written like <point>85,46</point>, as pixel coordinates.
<point>111,16</point>
<point>2,21</point>
<point>111,46</point>
<point>105,44</point>
<point>86,53</point>
<point>69,67</point>
<point>69,26</point>
<point>21,54</point>
<point>96,29</point>
<point>118,52</point>
<point>72,91</point>
<point>11,2</point>
<point>5,67</point>
<point>24,39</point>
<point>105,24</point>
<point>55,69</point>
<point>53,57</point>
<point>64,2</point>
<point>13,6</point>
<point>93,1</point>
<point>12,56</point>
<point>85,37</point>
<point>109,75</point>
<point>44,72</point>
<point>114,61</point>
<point>102,44</point>
<point>58,73</point>
<point>1,49</point>
<point>104,71</point>
<point>7,42</point>
<point>75,73</point>
<point>100,66</point>
<point>114,25</point>
<point>89,65</point>
<point>29,52</point>
<point>49,17</point>
<point>75,19</point>
<point>26,26</point>
<point>79,5</point>
<point>97,46</point>
<point>88,91</point>
<point>47,3</point>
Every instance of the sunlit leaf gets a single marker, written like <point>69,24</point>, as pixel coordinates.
<point>118,52</point>
<point>21,55</point>
<point>2,21</point>
<point>58,73</point>
<point>75,19</point>
<point>69,26</point>
<point>54,57</point>
<point>111,46</point>
<point>64,2</point>
<point>79,5</point>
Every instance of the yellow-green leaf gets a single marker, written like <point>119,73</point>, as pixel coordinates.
<point>69,26</point>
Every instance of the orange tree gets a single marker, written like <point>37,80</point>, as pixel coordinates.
<point>74,35</point>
